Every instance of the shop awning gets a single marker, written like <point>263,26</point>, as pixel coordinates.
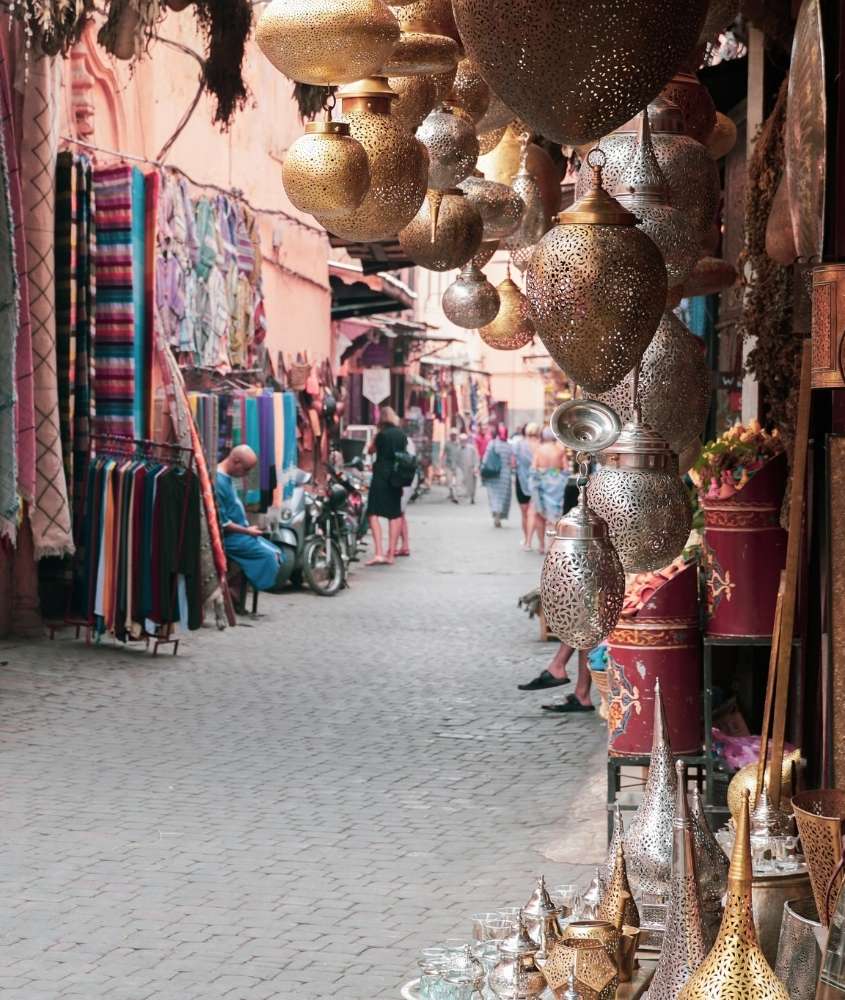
<point>375,257</point>
<point>357,294</point>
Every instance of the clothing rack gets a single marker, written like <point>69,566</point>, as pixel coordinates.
<point>138,447</point>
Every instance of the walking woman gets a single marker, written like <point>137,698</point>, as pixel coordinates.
<point>385,499</point>
<point>524,450</point>
<point>548,484</point>
<point>496,470</point>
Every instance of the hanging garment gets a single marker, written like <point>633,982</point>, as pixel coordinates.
<point>66,235</point>
<point>267,444</point>
<point>289,454</point>
<point>83,399</point>
<point>279,443</point>
<point>9,503</point>
<point>139,256</point>
<point>114,362</point>
<point>50,513</point>
<point>252,481</point>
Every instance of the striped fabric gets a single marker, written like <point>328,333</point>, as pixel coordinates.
<point>139,301</point>
<point>114,362</point>
<point>83,399</point>
<point>65,271</point>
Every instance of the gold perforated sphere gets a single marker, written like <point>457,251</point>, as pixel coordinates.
<point>674,386</point>
<point>498,115</point>
<point>398,166</point>
<point>415,97</point>
<point>326,171</point>
<point>470,301</point>
<point>500,206</point>
<point>533,224</point>
<point>452,148</point>
<point>488,141</point>
<point>422,53</point>
<point>695,102</point>
<point>323,42</point>
<point>485,253</point>
<point>427,15</point>
<point>443,82</point>
<point>452,241</point>
<point>502,163</point>
<point>597,287</point>
<point>469,91</point>
<point>574,71</point>
<point>513,327</point>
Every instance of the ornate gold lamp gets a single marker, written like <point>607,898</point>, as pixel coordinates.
<point>534,55</point>
<point>421,53</point>
<point>617,904</point>
<point>488,141</point>
<point>452,148</point>
<point>512,327</point>
<point>736,967</point>
<point>324,42</point>
<point>711,869</point>
<point>500,207</point>
<point>503,163</point>
<point>616,839</point>
<point>684,945</point>
<point>597,286</point>
<point>695,102</point>
<point>469,92</point>
<point>485,253</point>
<point>452,241</point>
<point>470,301</point>
<point>398,166</point>
<point>533,224</point>
<point>433,16</point>
<point>415,97</point>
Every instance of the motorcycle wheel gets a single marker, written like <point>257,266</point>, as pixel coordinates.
<point>322,566</point>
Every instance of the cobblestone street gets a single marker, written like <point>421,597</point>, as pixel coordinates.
<point>294,808</point>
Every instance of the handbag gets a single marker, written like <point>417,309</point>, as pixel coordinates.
<point>491,467</point>
<point>404,469</point>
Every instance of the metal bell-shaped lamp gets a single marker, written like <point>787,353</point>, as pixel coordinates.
<point>512,327</point>
<point>470,301</point>
<point>597,287</point>
<point>711,868</point>
<point>695,102</point>
<point>735,966</point>
<point>444,239</point>
<point>500,206</point>
<point>452,148</point>
<point>684,944</point>
<point>485,253</point>
<point>582,585</point>
<point>325,42</point>
<point>617,904</point>
<point>398,166</point>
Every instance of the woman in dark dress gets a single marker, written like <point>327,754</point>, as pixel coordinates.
<point>385,499</point>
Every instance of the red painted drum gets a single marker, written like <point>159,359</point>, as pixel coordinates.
<point>662,641</point>
<point>743,553</point>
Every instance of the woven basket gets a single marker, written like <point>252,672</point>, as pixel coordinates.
<point>298,376</point>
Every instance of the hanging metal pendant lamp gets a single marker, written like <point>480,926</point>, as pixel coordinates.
<point>444,238</point>
<point>488,141</point>
<point>695,102</point>
<point>673,389</point>
<point>497,116</point>
<point>645,193</point>
<point>512,327</point>
<point>574,71</point>
<point>684,944</point>
<point>324,42</point>
<point>398,166</point>
<point>469,91</point>
<point>470,301</point>
<point>485,253</point>
<point>503,163</point>
<point>416,96</point>
<point>434,16</point>
<point>533,224</point>
<point>735,966</point>
<point>597,287</point>
<point>428,44</point>
<point>452,148</point>
<point>501,208</point>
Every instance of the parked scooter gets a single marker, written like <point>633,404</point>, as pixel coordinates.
<point>354,510</point>
<point>323,561</point>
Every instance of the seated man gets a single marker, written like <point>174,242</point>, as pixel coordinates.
<point>260,560</point>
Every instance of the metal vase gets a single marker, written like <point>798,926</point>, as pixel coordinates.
<point>711,868</point>
<point>799,960</point>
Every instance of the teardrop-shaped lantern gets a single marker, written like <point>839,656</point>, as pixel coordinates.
<point>736,966</point>
<point>673,389</point>
<point>452,148</point>
<point>513,327</point>
<point>582,585</point>
<point>597,286</point>
<point>326,171</point>
<point>503,163</point>
<point>469,91</point>
<point>501,207</point>
<point>638,492</point>
<point>684,946</point>
<point>533,224</point>
<point>617,905</point>
<point>695,102</point>
<point>324,42</point>
<point>616,839</point>
<point>574,71</point>
<point>645,193</point>
<point>398,166</point>
<point>470,301</point>
<point>415,98</point>
<point>691,174</point>
<point>711,868</point>
<point>447,241</point>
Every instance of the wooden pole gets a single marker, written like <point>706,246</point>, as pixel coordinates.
<point>770,692</point>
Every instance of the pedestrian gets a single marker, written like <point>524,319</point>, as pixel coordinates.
<point>385,499</point>
<point>260,560</point>
<point>555,676</point>
<point>524,451</point>
<point>496,471</point>
<point>548,484</point>
<point>483,437</point>
<point>451,459</point>
<point>469,464</point>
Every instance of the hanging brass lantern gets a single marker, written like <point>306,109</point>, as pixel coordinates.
<point>723,137</point>
<point>582,585</point>
<point>644,192</point>
<point>452,148</point>
<point>711,869</point>
<point>503,163</point>
<point>736,967</point>
<point>684,946</point>
<point>415,97</point>
<point>470,301</point>
<point>485,253</point>
<point>497,116</point>
<point>695,102</point>
<point>446,240</point>
<point>488,141</point>
<point>421,53</point>
<point>574,71</point>
<point>637,491</point>
<point>512,328</point>
<point>501,208</point>
<point>469,92</point>
<point>673,388</point>
<point>324,42</point>
<point>326,171</point>
<point>434,16</point>
<point>533,224</point>
<point>521,257</point>
<point>691,174</point>
<point>398,166</point>
<point>597,286</point>
<point>617,905</point>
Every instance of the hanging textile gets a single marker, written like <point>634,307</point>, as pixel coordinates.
<point>253,439</point>
<point>267,453</point>
<point>114,364</point>
<point>65,271</point>
<point>25,404</point>
<point>9,502</point>
<point>279,443</point>
<point>83,400</point>
<point>50,513</point>
<point>289,453</point>
<point>139,257</point>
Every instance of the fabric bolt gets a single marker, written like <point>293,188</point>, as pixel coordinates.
<point>279,443</point>
<point>9,327</point>
<point>50,512</point>
<point>139,258</point>
<point>289,454</point>
<point>114,357</point>
<point>85,282</point>
<point>252,482</point>
<point>268,448</point>
<point>66,238</point>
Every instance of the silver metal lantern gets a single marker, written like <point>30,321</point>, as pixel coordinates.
<point>471,301</point>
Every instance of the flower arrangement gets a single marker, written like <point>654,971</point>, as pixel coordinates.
<point>726,464</point>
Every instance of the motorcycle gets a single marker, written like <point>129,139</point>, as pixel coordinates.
<point>323,559</point>
<point>354,527</point>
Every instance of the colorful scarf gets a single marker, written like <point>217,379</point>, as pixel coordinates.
<point>289,454</point>
<point>83,400</point>
<point>65,271</point>
<point>50,513</point>
<point>139,410</point>
<point>253,439</point>
<point>9,502</point>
